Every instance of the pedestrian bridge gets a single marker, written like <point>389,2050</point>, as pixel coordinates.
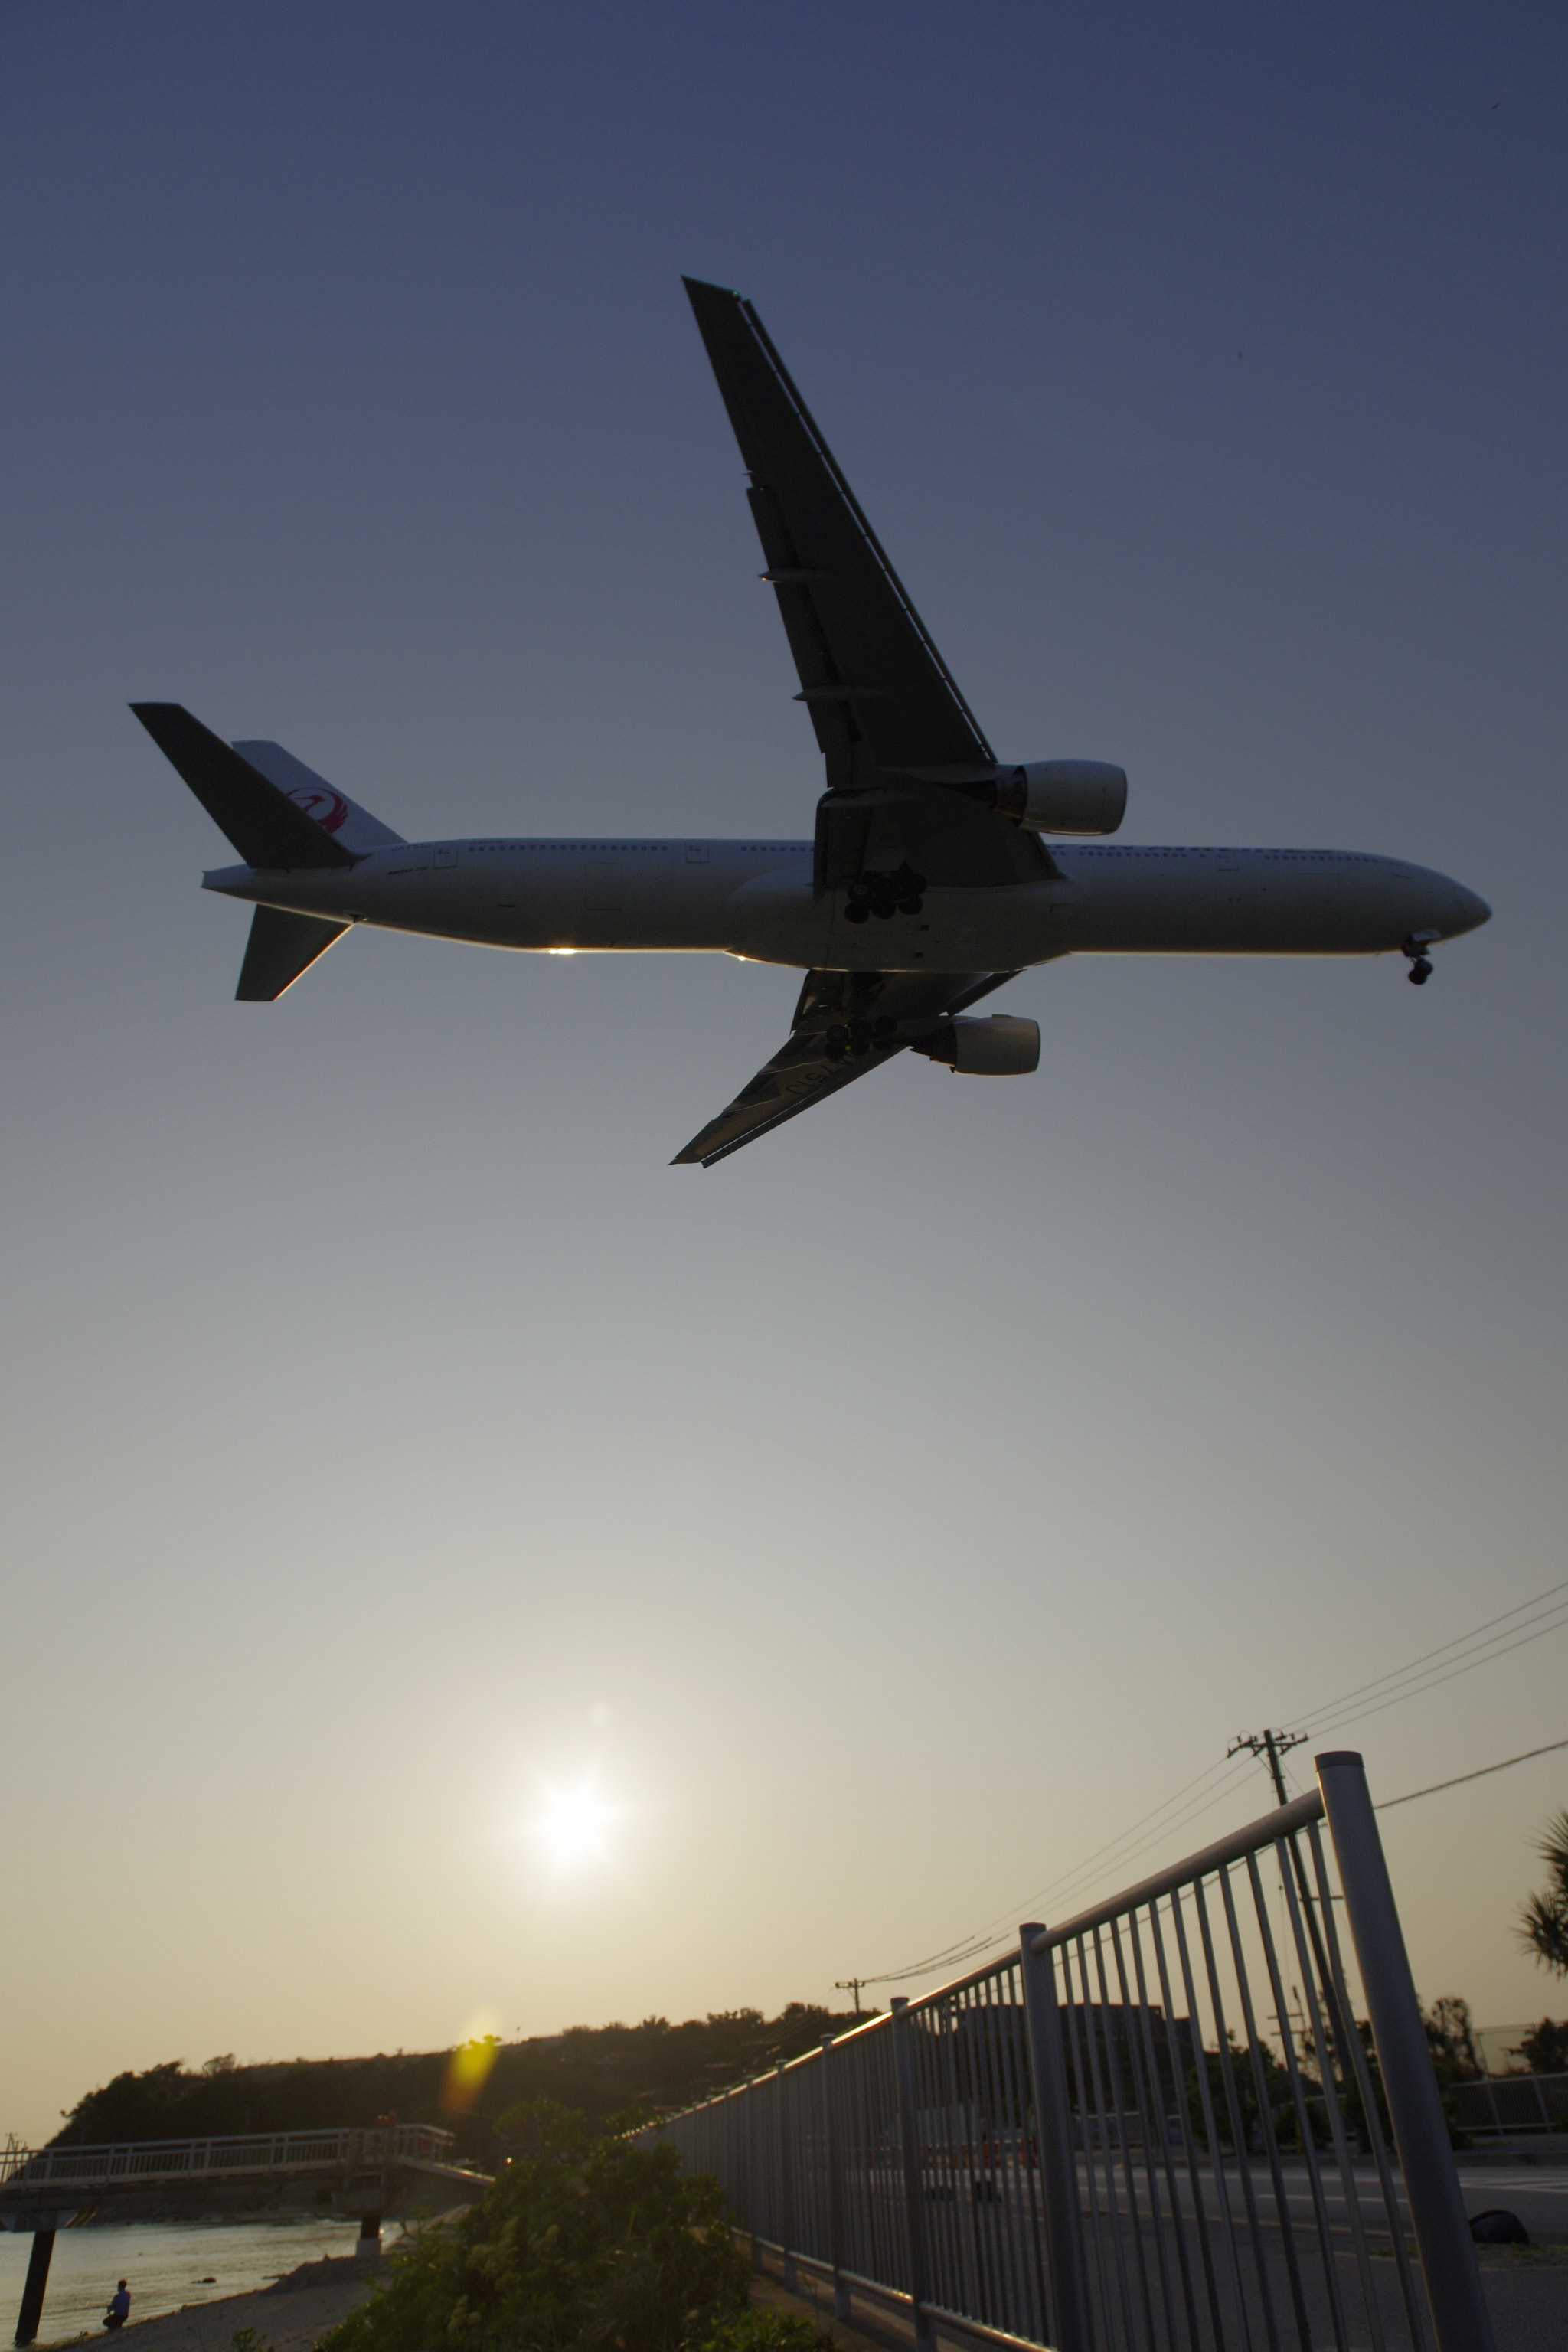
<point>367,2173</point>
<point>40,2175</point>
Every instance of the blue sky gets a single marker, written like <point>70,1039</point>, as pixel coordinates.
<point>884,1519</point>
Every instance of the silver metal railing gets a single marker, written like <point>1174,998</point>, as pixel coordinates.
<point>221,2158</point>
<point>1156,2127</point>
<point>1506,2105</point>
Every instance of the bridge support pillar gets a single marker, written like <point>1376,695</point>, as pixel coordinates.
<point>32,2309</point>
<point>369,2247</point>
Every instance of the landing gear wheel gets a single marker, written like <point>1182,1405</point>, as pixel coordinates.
<point>857,911</point>
<point>1415,947</point>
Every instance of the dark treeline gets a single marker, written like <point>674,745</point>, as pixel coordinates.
<point>600,2071</point>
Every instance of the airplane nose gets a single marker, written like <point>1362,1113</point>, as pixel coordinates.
<point>1471,911</point>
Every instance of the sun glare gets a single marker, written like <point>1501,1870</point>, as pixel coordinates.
<point>573,1825</point>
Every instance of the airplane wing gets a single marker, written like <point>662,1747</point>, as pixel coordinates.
<point>845,1025</point>
<point>903,747</point>
<point>867,663</point>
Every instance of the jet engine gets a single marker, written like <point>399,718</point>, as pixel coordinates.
<point>1082,796</point>
<point>1001,1047</point>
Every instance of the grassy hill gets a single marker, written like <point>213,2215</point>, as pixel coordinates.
<point>598,2070</point>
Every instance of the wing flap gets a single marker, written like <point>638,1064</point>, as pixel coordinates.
<point>871,674</point>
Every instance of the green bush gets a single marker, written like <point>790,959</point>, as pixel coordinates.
<point>765,2331</point>
<point>582,2242</point>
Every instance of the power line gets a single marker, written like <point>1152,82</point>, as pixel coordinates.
<point>1460,1778</point>
<point>1003,1925</point>
<point>1440,1660</point>
<point>1493,1638</point>
<point>1435,1681</point>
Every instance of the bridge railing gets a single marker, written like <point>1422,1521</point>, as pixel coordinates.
<point>1501,2107</point>
<point>227,2156</point>
<point>1155,2126</point>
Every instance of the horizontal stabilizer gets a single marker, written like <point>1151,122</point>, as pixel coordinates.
<point>267,827</point>
<point>281,946</point>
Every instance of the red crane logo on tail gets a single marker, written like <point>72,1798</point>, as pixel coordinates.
<point>319,801</point>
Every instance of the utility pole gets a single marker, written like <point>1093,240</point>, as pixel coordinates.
<point>1273,1745</point>
<point>851,1984</point>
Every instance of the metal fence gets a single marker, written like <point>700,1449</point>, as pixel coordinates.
<point>1508,2105</point>
<point>1157,2127</point>
<point>186,2159</point>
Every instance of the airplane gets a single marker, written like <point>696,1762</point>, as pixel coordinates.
<point>937,872</point>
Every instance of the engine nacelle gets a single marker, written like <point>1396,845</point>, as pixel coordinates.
<point>1001,1047</point>
<point>1081,796</point>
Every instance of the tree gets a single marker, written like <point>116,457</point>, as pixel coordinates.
<point>1543,1919</point>
<point>1451,2039</point>
<point>582,2242</point>
<point>1544,2048</point>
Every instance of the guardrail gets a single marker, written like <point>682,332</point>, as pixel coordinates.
<point>1511,2105</point>
<point>227,2157</point>
<point>1156,2125</point>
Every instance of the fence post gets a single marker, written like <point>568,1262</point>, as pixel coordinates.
<point>786,2185</point>
<point>834,2178</point>
<point>38,2280</point>
<point>1460,2314</point>
<point>914,2197</point>
<point>1052,2122</point>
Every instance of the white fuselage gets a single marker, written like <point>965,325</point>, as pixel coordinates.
<point>755,899</point>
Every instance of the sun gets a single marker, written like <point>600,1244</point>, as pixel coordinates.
<point>573,1825</point>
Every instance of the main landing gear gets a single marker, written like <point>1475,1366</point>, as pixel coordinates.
<point>886,895</point>
<point>858,1037</point>
<point>1415,947</point>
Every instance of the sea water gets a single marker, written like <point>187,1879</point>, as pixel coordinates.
<point>163,2263</point>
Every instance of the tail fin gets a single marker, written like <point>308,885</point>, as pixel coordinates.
<point>353,828</point>
<point>265,825</point>
<point>280,947</point>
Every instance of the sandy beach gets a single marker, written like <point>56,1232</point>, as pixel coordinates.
<point>292,2314</point>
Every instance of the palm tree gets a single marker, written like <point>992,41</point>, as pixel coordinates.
<point>1543,1920</point>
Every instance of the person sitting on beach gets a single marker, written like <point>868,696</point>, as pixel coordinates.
<point>119,2310</point>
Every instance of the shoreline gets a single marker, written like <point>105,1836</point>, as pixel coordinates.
<point>289,2314</point>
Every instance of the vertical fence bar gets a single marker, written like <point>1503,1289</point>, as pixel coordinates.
<point>1460,2314</point>
<point>786,2182</point>
<point>834,2120</point>
<point>1053,2125</point>
<point>1331,2115</point>
<point>914,2197</point>
<point>1414,2304</point>
<point>755,2174</point>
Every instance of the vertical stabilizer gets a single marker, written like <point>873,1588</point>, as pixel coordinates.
<point>352,826</point>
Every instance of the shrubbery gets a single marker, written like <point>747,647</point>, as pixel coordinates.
<point>582,2242</point>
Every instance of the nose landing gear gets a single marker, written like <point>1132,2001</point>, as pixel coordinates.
<point>1415,947</point>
